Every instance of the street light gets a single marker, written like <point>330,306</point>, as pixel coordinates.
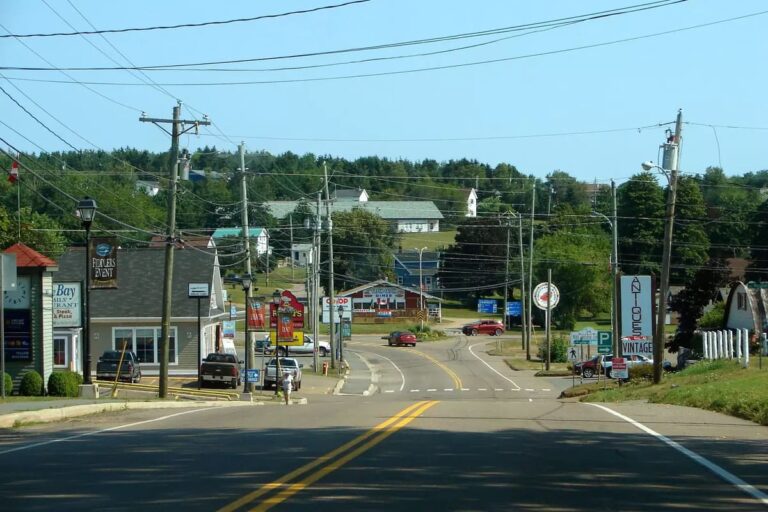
<point>658,341</point>
<point>276,296</point>
<point>341,343</point>
<point>86,210</point>
<point>246,282</point>
<point>421,287</point>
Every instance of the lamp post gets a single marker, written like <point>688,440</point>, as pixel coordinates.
<point>246,281</point>
<point>86,210</point>
<point>341,342</point>
<point>276,296</point>
<point>421,287</point>
<point>658,340</point>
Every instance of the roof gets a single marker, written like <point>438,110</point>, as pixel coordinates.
<point>140,277</point>
<point>225,232</point>
<point>384,282</point>
<point>387,210</point>
<point>30,258</point>
<point>205,242</point>
<point>349,194</point>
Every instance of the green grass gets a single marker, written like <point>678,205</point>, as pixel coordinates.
<point>432,241</point>
<point>721,386</point>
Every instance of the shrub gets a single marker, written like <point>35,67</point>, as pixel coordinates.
<point>641,372</point>
<point>31,384</point>
<point>8,384</point>
<point>559,347</point>
<point>65,383</point>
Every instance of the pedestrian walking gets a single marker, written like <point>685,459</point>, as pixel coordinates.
<point>287,387</point>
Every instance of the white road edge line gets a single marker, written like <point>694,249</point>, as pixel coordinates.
<point>402,376</point>
<point>722,473</point>
<point>95,432</point>
<point>489,366</point>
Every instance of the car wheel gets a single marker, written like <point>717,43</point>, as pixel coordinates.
<point>323,352</point>
<point>588,373</point>
<point>608,373</point>
<point>390,343</point>
<point>497,332</point>
<point>474,332</point>
<point>282,352</point>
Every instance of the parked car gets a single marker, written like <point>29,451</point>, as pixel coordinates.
<point>634,360</point>
<point>287,364</point>
<point>589,368</point>
<point>323,347</point>
<point>130,369</point>
<point>492,327</point>
<point>219,368</point>
<point>401,338</point>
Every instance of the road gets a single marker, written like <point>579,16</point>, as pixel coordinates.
<point>443,426</point>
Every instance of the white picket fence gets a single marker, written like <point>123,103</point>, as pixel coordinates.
<point>727,344</point>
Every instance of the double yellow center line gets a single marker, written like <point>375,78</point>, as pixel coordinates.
<point>306,475</point>
<point>456,380</point>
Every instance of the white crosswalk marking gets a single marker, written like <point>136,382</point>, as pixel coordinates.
<point>482,389</point>
<point>431,389</point>
<point>448,389</point>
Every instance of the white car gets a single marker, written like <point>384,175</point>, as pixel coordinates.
<point>323,347</point>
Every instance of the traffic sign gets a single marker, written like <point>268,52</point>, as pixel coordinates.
<point>604,342</point>
<point>619,368</point>
<point>514,308</point>
<point>252,374</point>
<point>586,336</point>
<point>487,306</point>
<point>542,291</point>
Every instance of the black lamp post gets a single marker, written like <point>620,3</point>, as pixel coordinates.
<point>276,296</point>
<point>341,342</point>
<point>86,210</point>
<point>246,282</point>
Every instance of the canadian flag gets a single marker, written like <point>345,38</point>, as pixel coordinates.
<point>13,176</point>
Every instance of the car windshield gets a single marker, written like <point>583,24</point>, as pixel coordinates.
<point>112,355</point>
<point>221,358</point>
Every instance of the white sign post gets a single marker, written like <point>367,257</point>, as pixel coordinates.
<point>636,306</point>
<point>345,302</point>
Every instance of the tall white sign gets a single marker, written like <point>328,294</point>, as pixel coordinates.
<point>636,306</point>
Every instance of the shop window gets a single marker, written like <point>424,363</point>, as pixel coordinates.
<point>145,343</point>
<point>60,356</point>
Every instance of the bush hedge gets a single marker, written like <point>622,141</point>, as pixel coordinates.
<point>31,384</point>
<point>8,384</point>
<point>66,383</point>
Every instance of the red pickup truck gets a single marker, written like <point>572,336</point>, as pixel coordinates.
<point>221,369</point>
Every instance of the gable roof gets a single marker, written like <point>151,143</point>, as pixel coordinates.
<point>384,282</point>
<point>203,241</point>
<point>29,258</point>
<point>140,277</point>
<point>225,232</point>
<point>387,210</point>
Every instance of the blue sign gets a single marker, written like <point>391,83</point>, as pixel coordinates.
<point>514,308</point>
<point>252,375</point>
<point>232,311</point>
<point>487,306</point>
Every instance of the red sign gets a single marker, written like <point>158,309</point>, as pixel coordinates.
<point>288,299</point>
<point>256,315</point>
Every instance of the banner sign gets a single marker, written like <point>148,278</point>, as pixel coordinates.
<point>103,262</point>
<point>284,326</point>
<point>228,326</point>
<point>67,302</point>
<point>255,314</point>
<point>636,306</point>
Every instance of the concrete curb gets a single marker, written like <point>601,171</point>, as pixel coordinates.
<point>62,413</point>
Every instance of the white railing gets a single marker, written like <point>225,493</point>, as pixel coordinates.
<point>727,344</point>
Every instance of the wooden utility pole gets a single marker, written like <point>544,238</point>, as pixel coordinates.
<point>249,353</point>
<point>329,227</point>
<point>177,129</point>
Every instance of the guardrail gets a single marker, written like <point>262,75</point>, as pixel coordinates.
<point>203,393</point>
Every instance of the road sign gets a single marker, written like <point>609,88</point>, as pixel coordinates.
<point>573,353</point>
<point>619,368</point>
<point>604,342</point>
<point>199,290</point>
<point>487,306</point>
<point>542,291</point>
<point>253,375</point>
<point>586,336</point>
<point>514,308</point>
<point>637,345</point>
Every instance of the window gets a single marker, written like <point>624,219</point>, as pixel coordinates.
<point>741,301</point>
<point>145,343</point>
<point>60,356</point>
<point>399,279</point>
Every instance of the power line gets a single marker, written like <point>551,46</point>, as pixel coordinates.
<point>184,25</point>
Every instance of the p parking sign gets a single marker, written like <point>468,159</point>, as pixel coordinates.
<point>604,342</point>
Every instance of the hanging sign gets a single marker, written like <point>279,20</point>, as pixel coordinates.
<point>284,326</point>
<point>66,305</point>
<point>256,314</point>
<point>102,263</point>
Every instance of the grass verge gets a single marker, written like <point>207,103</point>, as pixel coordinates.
<point>721,386</point>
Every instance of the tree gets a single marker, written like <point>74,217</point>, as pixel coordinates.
<point>640,210</point>
<point>690,244</point>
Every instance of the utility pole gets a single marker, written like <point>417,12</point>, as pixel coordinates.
<point>290,217</point>
<point>530,276</point>
<point>331,306</point>
<point>506,277</point>
<point>247,244</point>
<point>670,165</point>
<point>316,272</point>
<point>615,275</point>
<point>177,129</point>
<point>522,281</point>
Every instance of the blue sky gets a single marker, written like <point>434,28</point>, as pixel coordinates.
<point>531,112</point>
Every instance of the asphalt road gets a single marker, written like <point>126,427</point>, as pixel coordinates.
<point>439,427</point>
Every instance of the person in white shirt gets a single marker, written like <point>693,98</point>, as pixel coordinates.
<point>287,387</point>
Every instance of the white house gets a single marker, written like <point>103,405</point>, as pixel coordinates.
<point>471,203</point>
